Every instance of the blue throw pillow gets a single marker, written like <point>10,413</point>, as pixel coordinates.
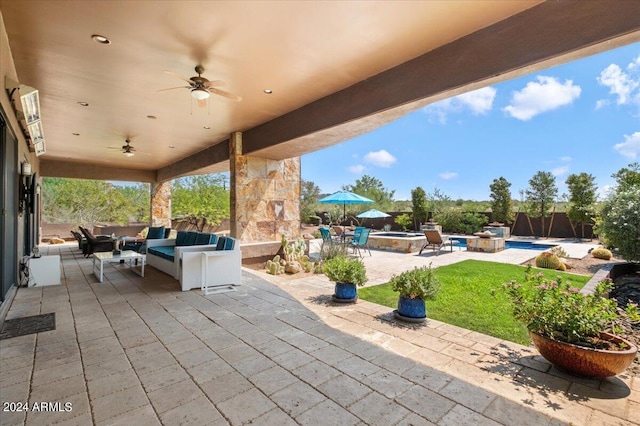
<point>155,233</point>
<point>221,242</point>
<point>229,243</point>
<point>181,238</point>
<point>191,238</point>
<point>203,238</point>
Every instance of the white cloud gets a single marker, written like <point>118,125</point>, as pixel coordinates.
<point>356,170</point>
<point>620,83</point>
<point>545,94</point>
<point>566,158</point>
<point>630,147</point>
<point>380,158</point>
<point>559,171</point>
<point>478,102</point>
<point>601,103</point>
<point>448,175</point>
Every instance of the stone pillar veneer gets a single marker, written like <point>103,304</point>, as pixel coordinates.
<point>161,204</point>
<point>265,196</point>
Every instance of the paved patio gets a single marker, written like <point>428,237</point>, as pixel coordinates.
<point>136,350</point>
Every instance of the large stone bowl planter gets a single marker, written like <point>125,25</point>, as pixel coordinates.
<point>586,361</point>
<point>410,310</point>
<point>345,293</point>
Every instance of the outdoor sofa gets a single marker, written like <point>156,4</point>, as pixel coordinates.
<point>182,257</point>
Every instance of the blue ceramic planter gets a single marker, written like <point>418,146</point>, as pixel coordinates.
<point>345,291</point>
<point>411,308</point>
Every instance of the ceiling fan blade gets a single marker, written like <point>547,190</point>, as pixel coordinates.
<point>181,77</point>
<point>214,83</point>
<point>173,88</point>
<point>225,94</point>
<point>202,103</point>
<point>113,147</point>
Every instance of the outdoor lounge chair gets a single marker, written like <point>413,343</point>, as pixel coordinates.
<point>96,244</point>
<point>436,241</point>
<point>82,241</point>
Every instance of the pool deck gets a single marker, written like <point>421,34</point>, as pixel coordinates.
<point>136,350</point>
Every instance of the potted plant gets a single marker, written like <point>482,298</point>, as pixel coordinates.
<point>348,274</point>
<point>567,326</point>
<point>415,287</point>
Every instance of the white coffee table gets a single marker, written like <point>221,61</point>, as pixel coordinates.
<point>130,257</point>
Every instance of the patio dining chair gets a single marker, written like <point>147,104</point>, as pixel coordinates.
<point>326,237</point>
<point>360,240</point>
<point>436,241</point>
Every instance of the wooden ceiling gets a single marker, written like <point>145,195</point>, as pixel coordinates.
<point>336,69</point>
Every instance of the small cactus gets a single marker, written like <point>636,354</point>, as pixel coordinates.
<point>559,251</point>
<point>562,267</point>
<point>601,253</point>
<point>548,260</point>
<point>275,266</point>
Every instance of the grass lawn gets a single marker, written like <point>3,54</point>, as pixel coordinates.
<point>472,297</point>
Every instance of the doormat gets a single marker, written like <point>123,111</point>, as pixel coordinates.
<point>28,325</point>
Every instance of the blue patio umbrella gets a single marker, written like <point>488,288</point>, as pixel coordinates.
<point>344,197</point>
<point>373,214</point>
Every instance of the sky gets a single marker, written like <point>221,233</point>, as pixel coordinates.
<point>583,116</point>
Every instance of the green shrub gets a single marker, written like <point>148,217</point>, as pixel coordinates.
<point>601,253</point>
<point>342,269</point>
<point>555,309</point>
<point>620,223</point>
<point>419,283</point>
<point>404,220</point>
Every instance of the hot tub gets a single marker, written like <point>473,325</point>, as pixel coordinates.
<point>405,242</point>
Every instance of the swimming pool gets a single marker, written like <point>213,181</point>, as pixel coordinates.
<point>526,245</point>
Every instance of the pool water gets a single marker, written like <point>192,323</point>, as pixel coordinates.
<point>526,245</point>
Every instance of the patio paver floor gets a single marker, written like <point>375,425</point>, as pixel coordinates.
<point>138,350</point>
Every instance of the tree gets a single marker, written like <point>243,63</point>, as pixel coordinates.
<point>501,204</point>
<point>438,202</point>
<point>87,202</point>
<point>201,199</point>
<point>628,178</point>
<point>541,194</point>
<point>582,196</point>
<point>419,206</point>
<point>309,193</point>
<point>372,188</point>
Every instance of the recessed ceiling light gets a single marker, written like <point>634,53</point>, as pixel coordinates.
<point>151,117</point>
<point>100,39</point>
<point>207,127</point>
<point>83,103</point>
<point>268,91</point>
<point>75,134</point>
<point>171,146</point>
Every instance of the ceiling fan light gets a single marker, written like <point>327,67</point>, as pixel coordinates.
<point>128,154</point>
<point>200,94</point>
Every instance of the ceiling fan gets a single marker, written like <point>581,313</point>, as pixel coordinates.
<point>127,149</point>
<point>201,88</point>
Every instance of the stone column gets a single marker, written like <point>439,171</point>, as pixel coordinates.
<point>161,204</point>
<point>265,196</point>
